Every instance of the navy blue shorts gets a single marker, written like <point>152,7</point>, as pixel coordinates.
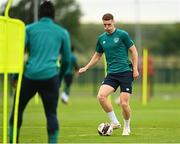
<point>122,79</point>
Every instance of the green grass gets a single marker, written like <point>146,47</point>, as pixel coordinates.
<point>157,122</point>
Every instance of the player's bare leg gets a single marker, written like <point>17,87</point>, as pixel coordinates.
<point>104,92</point>
<point>126,111</point>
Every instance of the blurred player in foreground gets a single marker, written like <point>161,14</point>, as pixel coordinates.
<point>115,43</point>
<point>68,78</point>
<point>45,40</point>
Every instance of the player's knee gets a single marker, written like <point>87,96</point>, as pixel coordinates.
<point>124,104</point>
<point>101,97</point>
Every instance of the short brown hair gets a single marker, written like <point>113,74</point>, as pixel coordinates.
<point>107,16</point>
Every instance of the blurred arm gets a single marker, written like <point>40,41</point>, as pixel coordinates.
<point>65,55</point>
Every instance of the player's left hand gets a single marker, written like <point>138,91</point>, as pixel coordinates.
<point>135,74</point>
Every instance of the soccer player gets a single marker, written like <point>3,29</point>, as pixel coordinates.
<point>68,78</point>
<point>45,41</point>
<point>115,43</point>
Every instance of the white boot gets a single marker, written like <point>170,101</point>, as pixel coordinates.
<point>64,98</point>
<point>126,129</point>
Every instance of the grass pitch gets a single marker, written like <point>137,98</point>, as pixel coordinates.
<point>157,122</point>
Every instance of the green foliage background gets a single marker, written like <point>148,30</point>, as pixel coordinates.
<point>160,39</point>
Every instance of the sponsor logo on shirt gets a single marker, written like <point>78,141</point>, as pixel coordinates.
<point>104,42</point>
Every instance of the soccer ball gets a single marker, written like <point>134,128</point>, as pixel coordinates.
<point>105,129</point>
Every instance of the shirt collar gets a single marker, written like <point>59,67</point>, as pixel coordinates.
<point>46,19</point>
<point>112,32</point>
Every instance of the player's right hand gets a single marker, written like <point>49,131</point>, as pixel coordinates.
<point>82,70</point>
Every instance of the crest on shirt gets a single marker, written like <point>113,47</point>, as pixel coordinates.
<point>116,39</point>
<point>104,42</point>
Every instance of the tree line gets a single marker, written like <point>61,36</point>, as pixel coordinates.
<point>160,39</point>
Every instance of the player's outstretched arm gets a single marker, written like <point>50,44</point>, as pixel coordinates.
<point>96,57</point>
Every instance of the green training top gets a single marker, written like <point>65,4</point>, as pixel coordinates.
<point>116,47</point>
<point>45,40</point>
<point>73,64</point>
